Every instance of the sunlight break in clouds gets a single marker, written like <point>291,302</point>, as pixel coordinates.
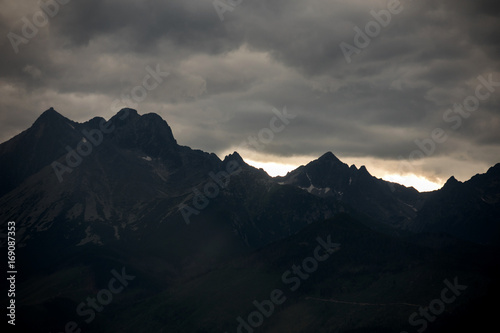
<point>422,184</point>
<point>273,169</point>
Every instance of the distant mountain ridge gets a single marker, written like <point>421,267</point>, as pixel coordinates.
<point>120,205</point>
<point>468,210</point>
<point>133,182</point>
<point>387,202</point>
<point>138,175</point>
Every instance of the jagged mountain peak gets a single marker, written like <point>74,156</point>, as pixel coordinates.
<point>50,116</point>
<point>152,116</point>
<point>329,177</point>
<point>323,170</point>
<point>35,148</point>
<point>494,170</point>
<point>127,116</point>
<point>234,156</point>
<point>50,111</point>
<point>364,170</point>
<point>149,132</point>
<point>452,181</point>
<point>127,113</point>
<point>151,164</point>
<point>124,117</point>
<point>328,156</point>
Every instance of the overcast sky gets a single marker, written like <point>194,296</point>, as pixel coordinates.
<point>226,76</point>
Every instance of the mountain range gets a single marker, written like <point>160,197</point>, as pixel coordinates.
<point>205,237</point>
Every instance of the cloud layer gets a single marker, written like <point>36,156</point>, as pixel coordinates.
<point>226,76</point>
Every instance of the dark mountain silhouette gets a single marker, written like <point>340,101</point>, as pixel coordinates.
<point>28,152</point>
<point>386,202</point>
<point>131,186</point>
<point>205,237</point>
<point>468,210</point>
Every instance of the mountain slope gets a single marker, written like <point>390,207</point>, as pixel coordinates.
<point>31,150</point>
<point>126,190</point>
<point>468,210</point>
<point>371,283</point>
<point>385,202</point>
<point>205,237</point>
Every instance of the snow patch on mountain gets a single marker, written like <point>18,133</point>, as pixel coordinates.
<point>75,211</point>
<point>90,238</point>
<point>91,213</point>
<point>117,235</point>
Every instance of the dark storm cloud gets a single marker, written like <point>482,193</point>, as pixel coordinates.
<point>187,24</point>
<point>226,76</point>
